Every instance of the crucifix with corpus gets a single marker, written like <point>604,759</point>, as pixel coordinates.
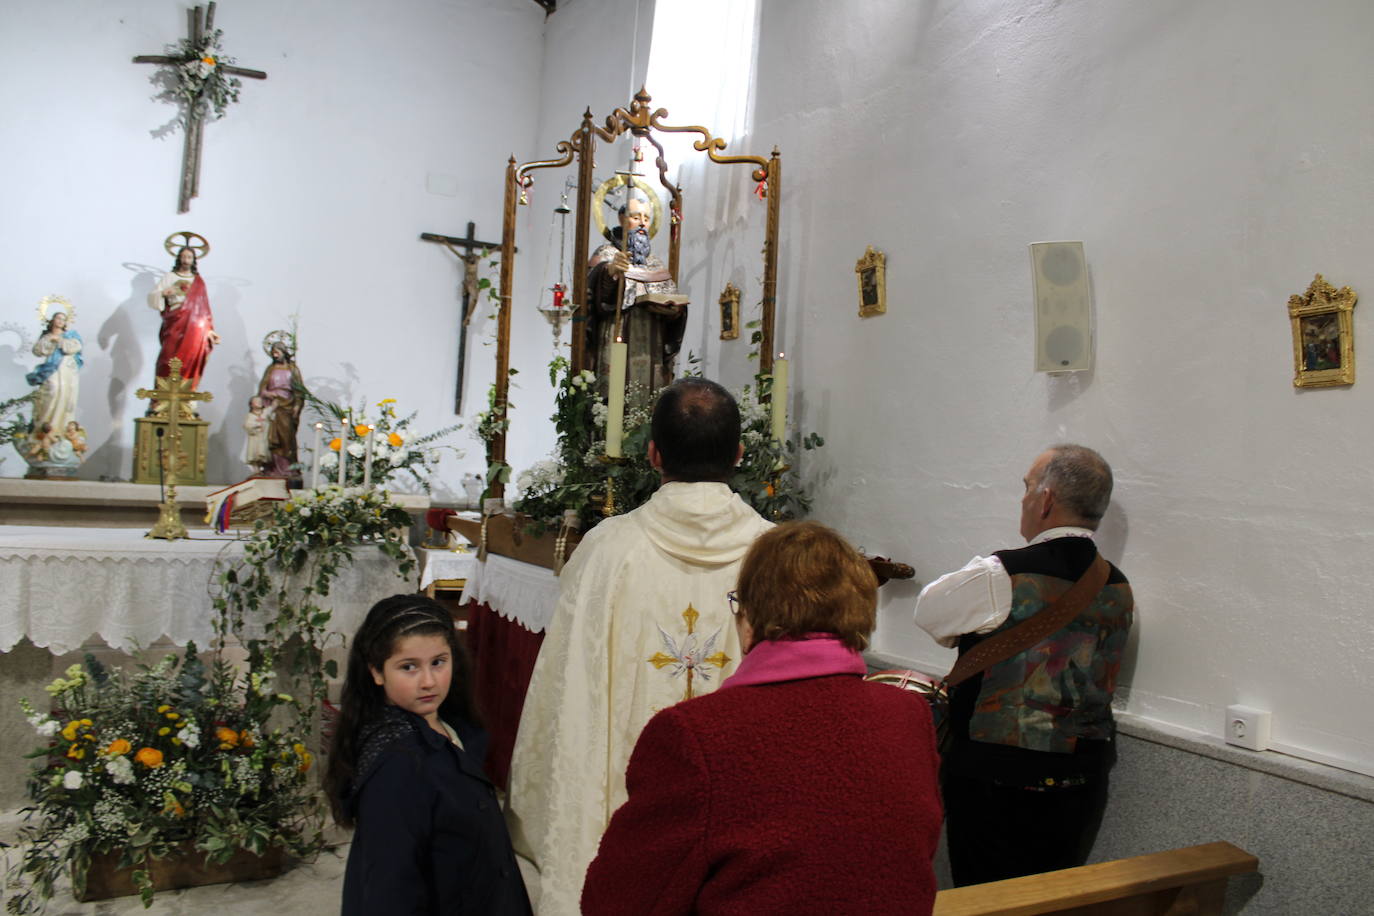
<point>471,256</point>
<point>199,74</point>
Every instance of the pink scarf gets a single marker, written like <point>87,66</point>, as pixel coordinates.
<point>774,660</point>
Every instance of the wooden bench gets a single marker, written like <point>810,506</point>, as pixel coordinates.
<point>1189,880</point>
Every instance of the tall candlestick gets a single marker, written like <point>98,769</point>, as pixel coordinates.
<point>615,401</point>
<point>367,457</point>
<point>343,452</point>
<point>779,399</point>
<point>315,477</point>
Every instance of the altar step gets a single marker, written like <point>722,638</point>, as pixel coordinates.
<point>97,504</point>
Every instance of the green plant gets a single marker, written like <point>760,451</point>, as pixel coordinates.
<point>289,564</point>
<point>141,764</point>
<point>576,477</point>
<point>200,81</point>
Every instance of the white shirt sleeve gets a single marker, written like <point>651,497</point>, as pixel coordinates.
<point>975,599</point>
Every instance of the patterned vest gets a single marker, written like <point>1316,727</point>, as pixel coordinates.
<point>1059,690</point>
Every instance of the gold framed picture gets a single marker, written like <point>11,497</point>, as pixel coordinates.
<point>729,313</point>
<point>1323,335</point>
<point>872,271</point>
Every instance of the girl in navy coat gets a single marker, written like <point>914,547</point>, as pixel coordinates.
<point>405,771</point>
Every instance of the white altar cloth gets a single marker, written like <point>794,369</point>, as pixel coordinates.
<point>522,592</point>
<point>445,565</point>
<point>61,586</point>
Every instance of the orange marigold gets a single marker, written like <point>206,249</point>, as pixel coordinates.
<point>336,444</point>
<point>118,748</point>
<point>150,757</point>
<point>245,738</point>
<point>395,440</point>
<point>361,430</point>
<point>227,737</point>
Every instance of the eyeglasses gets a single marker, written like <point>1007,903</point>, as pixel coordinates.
<point>733,598</point>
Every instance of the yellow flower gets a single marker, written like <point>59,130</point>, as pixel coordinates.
<point>385,401</point>
<point>228,738</point>
<point>118,748</point>
<point>173,715</point>
<point>164,730</point>
<point>70,729</point>
<point>395,440</point>
<point>163,708</point>
<point>76,752</point>
<point>150,757</point>
<point>336,444</point>
<point>361,430</point>
<point>210,61</point>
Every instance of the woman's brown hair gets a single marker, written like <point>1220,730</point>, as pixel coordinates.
<point>802,577</point>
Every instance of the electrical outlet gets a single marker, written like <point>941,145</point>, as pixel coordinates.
<point>1247,727</point>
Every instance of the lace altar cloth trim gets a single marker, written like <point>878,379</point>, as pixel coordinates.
<point>522,592</point>
<point>61,586</point>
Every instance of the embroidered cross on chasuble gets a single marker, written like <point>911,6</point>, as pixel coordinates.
<point>689,657</point>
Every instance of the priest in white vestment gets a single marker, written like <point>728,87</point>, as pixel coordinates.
<point>642,622</point>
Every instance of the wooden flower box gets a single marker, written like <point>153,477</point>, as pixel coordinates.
<point>185,867</point>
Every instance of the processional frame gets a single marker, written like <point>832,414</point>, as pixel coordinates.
<point>641,121</point>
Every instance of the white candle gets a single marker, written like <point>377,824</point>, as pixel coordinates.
<point>315,477</point>
<point>343,452</point>
<point>780,399</point>
<point>367,457</point>
<point>615,402</point>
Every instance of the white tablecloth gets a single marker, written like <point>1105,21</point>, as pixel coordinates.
<point>517,591</point>
<point>61,586</point>
<point>445,564</point>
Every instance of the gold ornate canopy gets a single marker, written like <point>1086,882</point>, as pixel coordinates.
<point>642,122</point>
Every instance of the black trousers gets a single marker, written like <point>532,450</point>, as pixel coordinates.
<point>996,830</point>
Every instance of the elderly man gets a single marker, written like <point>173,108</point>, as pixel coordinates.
<point>642,622</point>
<point>1025,780</point>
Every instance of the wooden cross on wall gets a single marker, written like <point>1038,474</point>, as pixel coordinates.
<point>471,256</point>
<point>198,26</point>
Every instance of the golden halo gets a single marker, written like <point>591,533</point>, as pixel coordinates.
<point>284,339</point>
<point>173,247</point>
<point>47,302</point>
<point>616,181</point>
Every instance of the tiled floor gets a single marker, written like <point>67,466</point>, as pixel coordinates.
<point>307,890</point>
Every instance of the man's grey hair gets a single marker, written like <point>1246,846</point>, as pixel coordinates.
<point>1081,479</point>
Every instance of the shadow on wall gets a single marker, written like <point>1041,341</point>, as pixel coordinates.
<point>1111,538</point>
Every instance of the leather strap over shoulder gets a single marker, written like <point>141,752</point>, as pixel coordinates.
<point>1045,622</point>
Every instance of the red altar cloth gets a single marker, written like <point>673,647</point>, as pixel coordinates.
<point>504,654</point>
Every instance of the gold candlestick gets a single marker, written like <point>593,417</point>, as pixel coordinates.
<point>175,391</point>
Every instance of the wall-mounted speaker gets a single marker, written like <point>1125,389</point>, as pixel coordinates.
<point>1063,314</point>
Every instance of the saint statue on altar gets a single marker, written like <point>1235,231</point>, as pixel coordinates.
<point>56,443</point>
<point>282,395</point>
<point>653,314</point>
<point>188,327</point>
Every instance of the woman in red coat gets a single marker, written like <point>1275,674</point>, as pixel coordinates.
<point>797,786</point>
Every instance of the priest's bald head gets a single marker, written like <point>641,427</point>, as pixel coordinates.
<point>695,432</point>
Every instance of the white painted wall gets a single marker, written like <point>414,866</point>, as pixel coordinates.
<point>313,196</point>
<point>1212,157</point>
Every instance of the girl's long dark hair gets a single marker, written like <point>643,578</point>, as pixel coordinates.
<point>362,700</point>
